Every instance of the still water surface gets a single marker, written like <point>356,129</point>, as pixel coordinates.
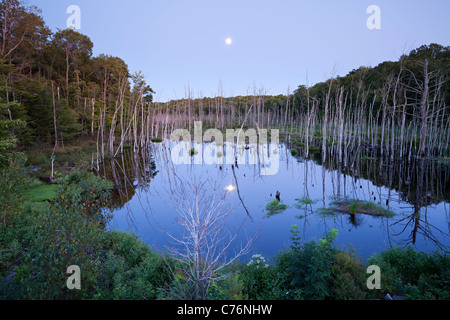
<point>144,201</point>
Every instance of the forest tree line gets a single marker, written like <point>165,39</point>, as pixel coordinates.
<point>54,91</point>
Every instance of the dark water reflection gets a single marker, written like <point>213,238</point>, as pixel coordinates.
<point>416,191</point>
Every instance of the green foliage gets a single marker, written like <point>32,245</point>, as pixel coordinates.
<point>261,281</point>
<point>13,179</point>
<point>415,275</point>
<point>69,231</point>
<point>233,287</point>
<point>348,280</point>
<point>304,202</point>
<point>8,139</point>
<point>313,270</point>
<point>275,207</point>
<point>313,149</point>
<point>365,207</point>
<point>85,192</point>
<point>118,265</point>
<point>15,239</point>
<point>68,125</point>
<point>130,270</point>
<point>308,267</point>
<point>353,206</point>
<point>326,212</point>
<point>297,142</point>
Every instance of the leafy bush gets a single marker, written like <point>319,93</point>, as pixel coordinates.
<point>318,270</point>
<point>13,179</point>
<point>348,280</point>
<point>313,270</point>
<point>15,240</point>
<point>70,230</point>
<point>415,275</point>
<point>309,267</point>
<point>131,270</point>
<point>233,288</point>
<point>261,281</point>
<point>67,232</point>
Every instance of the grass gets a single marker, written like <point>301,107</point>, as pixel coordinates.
<point>362,207</point>
<point>274,207</point>
<point>303,202</point>
<point>78,154</point>
<point>326,212</point>
<point>40,192</point>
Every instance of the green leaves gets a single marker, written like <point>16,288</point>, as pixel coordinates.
<point>7,139</point>
<point>275,207</point>
<point>309,265</point>
<point>13,179</point>
<point>303,272</point>
<point>416,275</point>
<point>261,281</point>
<point>68,231</point>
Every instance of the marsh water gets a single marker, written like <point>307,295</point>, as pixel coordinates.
<point>417,192</point>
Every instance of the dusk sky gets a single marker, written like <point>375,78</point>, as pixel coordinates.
<point>276,45</point>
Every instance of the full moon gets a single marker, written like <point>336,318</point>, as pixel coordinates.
<point>228,41</point>
<point>230,188</point>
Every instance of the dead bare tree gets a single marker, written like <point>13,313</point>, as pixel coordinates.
<point>202,251</point>
<point>325,122</point>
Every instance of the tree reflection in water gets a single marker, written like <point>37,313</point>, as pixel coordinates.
<point>411,188</point>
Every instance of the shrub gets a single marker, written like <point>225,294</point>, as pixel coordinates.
<point>308,267</point>
<point>348,280</point>
<point>261,281</point>
<point>415,275</point>
<point>69,231</point>
<point>13,180</point>
<point>233,288</point>
<point>130,270</point>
